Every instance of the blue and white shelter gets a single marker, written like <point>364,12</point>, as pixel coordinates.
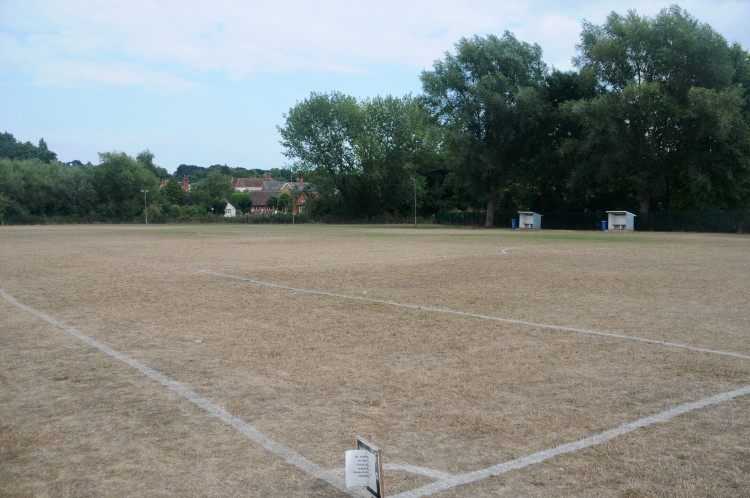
<point>620,220</point>
<point>529,219</point>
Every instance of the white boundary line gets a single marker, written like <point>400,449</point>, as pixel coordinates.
<point>545,455</point>
<point>289,455</point>
<point>480,316</point>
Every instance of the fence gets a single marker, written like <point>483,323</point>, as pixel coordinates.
<point>663,221</point>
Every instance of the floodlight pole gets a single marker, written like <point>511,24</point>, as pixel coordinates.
<point>145,207</point>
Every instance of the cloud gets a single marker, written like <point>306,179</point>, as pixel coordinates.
<point>92,73</point>
<point>167,44</point>
<point>239,38</point>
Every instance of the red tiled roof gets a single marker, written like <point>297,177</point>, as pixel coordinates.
<point>248,182</point>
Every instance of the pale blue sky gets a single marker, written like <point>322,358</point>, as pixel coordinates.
<point>207,83</point>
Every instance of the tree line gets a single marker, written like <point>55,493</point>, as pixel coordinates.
<point>656,117</point>
<point>121,188</point>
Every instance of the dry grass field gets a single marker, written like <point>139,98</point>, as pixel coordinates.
<point>236,360</point>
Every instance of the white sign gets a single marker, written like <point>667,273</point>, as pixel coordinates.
<point>364,468</point>
<point>360,469</point>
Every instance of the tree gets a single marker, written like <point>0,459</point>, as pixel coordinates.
<point>552,165</point>
<point>642,118</point>
<point>214,190</point>
<point>44,154</point>
<point>146,158</point>
<point>13,149</point>
<point>76,192</point>
<point>363,157</point>
<point>395,148</point>
<point>286,201</point>
<point>488,98</point>
<point>118,181</point>
<point>172,192</point>
<point>4,203</point>
<point>321,134</point>
<point>196,173</point>
<point>242,201</point>
<point>716,173</point>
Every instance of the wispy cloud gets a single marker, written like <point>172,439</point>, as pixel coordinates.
<point>233,37</point>
<point>242,39</point>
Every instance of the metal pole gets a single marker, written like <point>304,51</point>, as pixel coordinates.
<point>145,206</point>
<point>415,201</point>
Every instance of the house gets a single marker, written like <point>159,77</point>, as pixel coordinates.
<point>230,211</point>
<point>249,184</point>
<point>185,184</point>
<point>260,189</point>
<point>259,200</point>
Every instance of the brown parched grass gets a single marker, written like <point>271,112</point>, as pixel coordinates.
<point>456,350</point>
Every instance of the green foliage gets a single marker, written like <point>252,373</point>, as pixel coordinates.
<point>4,203</point>
<point>172,192</point>
<point>321,134</point>
<point>214,191</point>
<point>146,158</point>
<point>489,98</point>
<point>13,149</point>
<point>242,201</point>
<point>118,181</point>
<point>366,154</point>
<point>272,202</point>
<point>194,173</point>
<point>285,201</point>
<point>644,129</point>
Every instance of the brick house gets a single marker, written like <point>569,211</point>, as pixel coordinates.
<point>260,189</point>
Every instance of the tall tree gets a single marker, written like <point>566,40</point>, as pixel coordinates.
<point>487,96</point>
<point>395,148</point>
<point>648,69</point>
<point>320,134</point>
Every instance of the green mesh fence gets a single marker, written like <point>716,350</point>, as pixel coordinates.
<point>663,221</point>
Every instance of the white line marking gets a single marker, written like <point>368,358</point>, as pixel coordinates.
<point>480,316</point>
<point>374,261</point>
<point>248,430</point>
<point>545,455</point>
<point>424,471</point>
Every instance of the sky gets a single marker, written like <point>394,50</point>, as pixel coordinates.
<point>205,83</point>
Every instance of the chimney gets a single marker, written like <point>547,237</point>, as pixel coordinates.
<point>301,183</point>
<point>185,183</point>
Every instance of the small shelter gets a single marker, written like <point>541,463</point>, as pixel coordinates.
<point>529,219</point>
<point>620,220</point>
<point>230,211</point>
